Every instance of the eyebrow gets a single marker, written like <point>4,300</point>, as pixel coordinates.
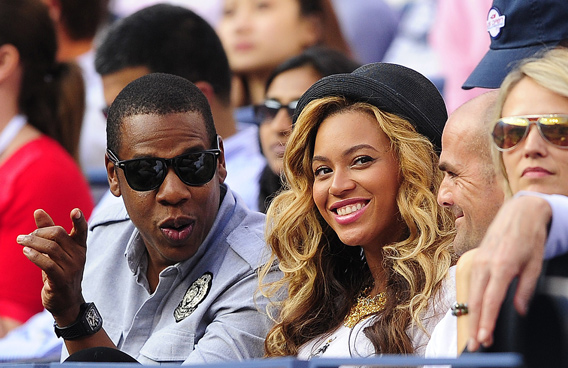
<point>346,152</point>
<point>444,166</point>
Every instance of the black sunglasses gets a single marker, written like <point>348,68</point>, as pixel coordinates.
<point>266,111</point>
<point>144,174</point>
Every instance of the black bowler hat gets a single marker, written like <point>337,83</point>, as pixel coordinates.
<point>392,88</point>
<point>518,29</point>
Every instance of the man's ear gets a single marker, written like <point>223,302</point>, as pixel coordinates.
<point>112,177</point>
<point>207,90</point>
<point>221,166</point>
<point>9,61</point>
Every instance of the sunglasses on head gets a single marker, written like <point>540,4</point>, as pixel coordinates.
<point>510,131</point>
<point>148,173</point>
<point>266,111</point>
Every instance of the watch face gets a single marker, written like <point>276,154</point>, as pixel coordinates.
<point>93,318</point>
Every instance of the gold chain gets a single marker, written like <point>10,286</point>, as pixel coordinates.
<point>366,305</point>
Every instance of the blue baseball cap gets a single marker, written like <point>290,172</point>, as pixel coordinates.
<point>518,29</point>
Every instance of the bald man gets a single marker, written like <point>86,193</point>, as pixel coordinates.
<point>470,189</point>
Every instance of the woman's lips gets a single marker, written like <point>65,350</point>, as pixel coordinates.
<point>535,172</point>
<point>350,211</point>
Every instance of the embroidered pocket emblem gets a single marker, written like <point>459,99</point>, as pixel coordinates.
<point>193,296</point>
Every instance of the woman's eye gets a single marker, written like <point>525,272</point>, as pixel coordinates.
<point>322,170</point>
<point>363,160</point>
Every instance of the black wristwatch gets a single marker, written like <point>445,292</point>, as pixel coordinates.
<point>88,323</point>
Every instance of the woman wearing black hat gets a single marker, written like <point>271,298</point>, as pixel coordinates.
<point>363,245</point>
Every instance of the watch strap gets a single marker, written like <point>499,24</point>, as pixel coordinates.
<point>87,323</point>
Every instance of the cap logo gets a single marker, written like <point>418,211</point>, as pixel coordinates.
<point>495,21</point>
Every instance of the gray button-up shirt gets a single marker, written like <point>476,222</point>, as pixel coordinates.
<point>205,309</point>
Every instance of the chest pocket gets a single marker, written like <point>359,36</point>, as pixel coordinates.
<point>169,345</point>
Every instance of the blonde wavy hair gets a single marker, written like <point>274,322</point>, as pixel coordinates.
<point>323,276</point>
<point>550,70</point>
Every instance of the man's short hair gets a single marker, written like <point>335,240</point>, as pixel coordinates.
<point>167,39</point>
<point>158,94</point>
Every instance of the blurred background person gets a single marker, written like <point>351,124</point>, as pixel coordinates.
<point>258,36</point>
<point>41,110</point>
<point>77,25</point>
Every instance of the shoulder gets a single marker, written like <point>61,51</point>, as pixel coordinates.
<point>246,236</point>
<point>107,213</point>
<point>244,231</point>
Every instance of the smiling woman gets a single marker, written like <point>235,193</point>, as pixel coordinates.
<point>362,243</point>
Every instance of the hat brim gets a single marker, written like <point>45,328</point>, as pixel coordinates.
<point>496,64</point>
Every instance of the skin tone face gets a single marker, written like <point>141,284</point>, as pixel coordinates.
<point>534,164</point>
<point>113,83</point>
<point>285,88</point>
<point>260,34</point>
<point>470,188</point>
<point>356,182</point>
<point>175,218</point>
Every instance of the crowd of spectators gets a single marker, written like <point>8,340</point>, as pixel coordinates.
<point>276,177</point>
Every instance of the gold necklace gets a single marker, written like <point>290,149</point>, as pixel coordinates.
<point>366,305</point>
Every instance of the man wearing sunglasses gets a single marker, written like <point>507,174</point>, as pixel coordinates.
<point>172,39</point>
<point>173,277</point>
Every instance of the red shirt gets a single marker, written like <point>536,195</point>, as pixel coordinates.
<point>41,174</point>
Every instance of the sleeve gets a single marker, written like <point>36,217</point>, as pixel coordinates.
<point>240,326</point>
<point>557,242</point>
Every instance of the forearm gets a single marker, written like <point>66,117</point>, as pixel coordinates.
<point>557,240</point>
<point>97,340</point>
<point>463,274</point>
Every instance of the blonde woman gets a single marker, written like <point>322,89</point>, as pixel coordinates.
<point>530,147</point>
<point>363,245</point>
